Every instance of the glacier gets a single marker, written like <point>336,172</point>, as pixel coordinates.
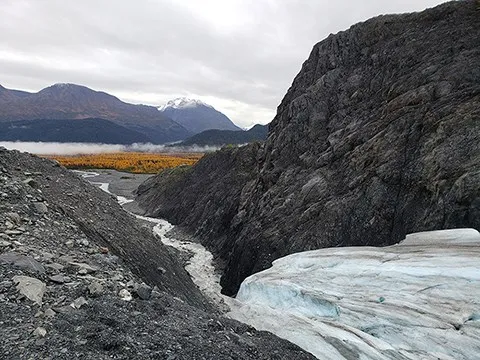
<point>419,299</point>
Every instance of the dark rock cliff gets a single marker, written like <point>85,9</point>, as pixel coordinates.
<point>377,137</point>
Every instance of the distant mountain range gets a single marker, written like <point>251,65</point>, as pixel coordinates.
<point>196,116</point>
<point>226,137</point>
<point>68,130</point>
<point>63,112</point>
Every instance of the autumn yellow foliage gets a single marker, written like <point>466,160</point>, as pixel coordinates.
<point>134,162</point>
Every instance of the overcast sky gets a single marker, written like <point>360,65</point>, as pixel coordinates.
<point>238,55</point>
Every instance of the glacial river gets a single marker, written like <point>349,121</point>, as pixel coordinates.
<point>200,265</point>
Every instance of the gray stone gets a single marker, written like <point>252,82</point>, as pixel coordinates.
<point>117,277</point>
<point>79,302</point>
<point>95,289</point>
<point>40,341</point>
<point>83,242</point>
<point>40,207</point>
<point>14,217</point>
<point>47,256</point>
<point>22,262</point>
<point>4,243</point>
<point>125,295</point>
<point>5,236</point>
<point>40,332</point>
<point>49,313</point>
<point>60,279</point>
<point>67,309</point>
<point>31,182</point>
<point>143,291</point>
<point>55,266</point>
<point>84,268</point>
<point>31,288</point>
<point>14,232</point>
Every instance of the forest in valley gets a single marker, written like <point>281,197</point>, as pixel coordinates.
<point>134,162</point>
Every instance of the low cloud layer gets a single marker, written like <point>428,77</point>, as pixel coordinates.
<point>54,148</point>
<point>238,55</point>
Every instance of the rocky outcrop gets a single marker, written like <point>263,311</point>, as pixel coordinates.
<point>377,137</point>
<point>82,278</point>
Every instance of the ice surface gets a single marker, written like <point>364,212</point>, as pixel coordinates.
<point>416,300</point>
<point>444,237</point>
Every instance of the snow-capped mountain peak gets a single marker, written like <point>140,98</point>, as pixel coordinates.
<point>183,102</point>
<point>62,85</point>
<point>196,116</point>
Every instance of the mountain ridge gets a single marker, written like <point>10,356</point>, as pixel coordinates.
<point>196,115</point>
<point>71,101</point>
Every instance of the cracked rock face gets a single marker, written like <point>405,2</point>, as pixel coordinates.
<point>376,138</point>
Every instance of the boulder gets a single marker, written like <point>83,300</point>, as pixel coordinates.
<point>31,288</point>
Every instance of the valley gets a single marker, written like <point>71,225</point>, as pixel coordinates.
<point>345,229</point>
<point>417,299</point>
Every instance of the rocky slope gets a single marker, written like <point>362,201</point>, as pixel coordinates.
<point>196,116</point>
<point>70,101</point>
<point>82,278</point>
<point>377,137</point>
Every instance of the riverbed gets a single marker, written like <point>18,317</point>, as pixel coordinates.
<point>199,265</point>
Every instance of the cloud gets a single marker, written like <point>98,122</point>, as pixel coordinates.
<point>55,148</point>
<point>240,54</point>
